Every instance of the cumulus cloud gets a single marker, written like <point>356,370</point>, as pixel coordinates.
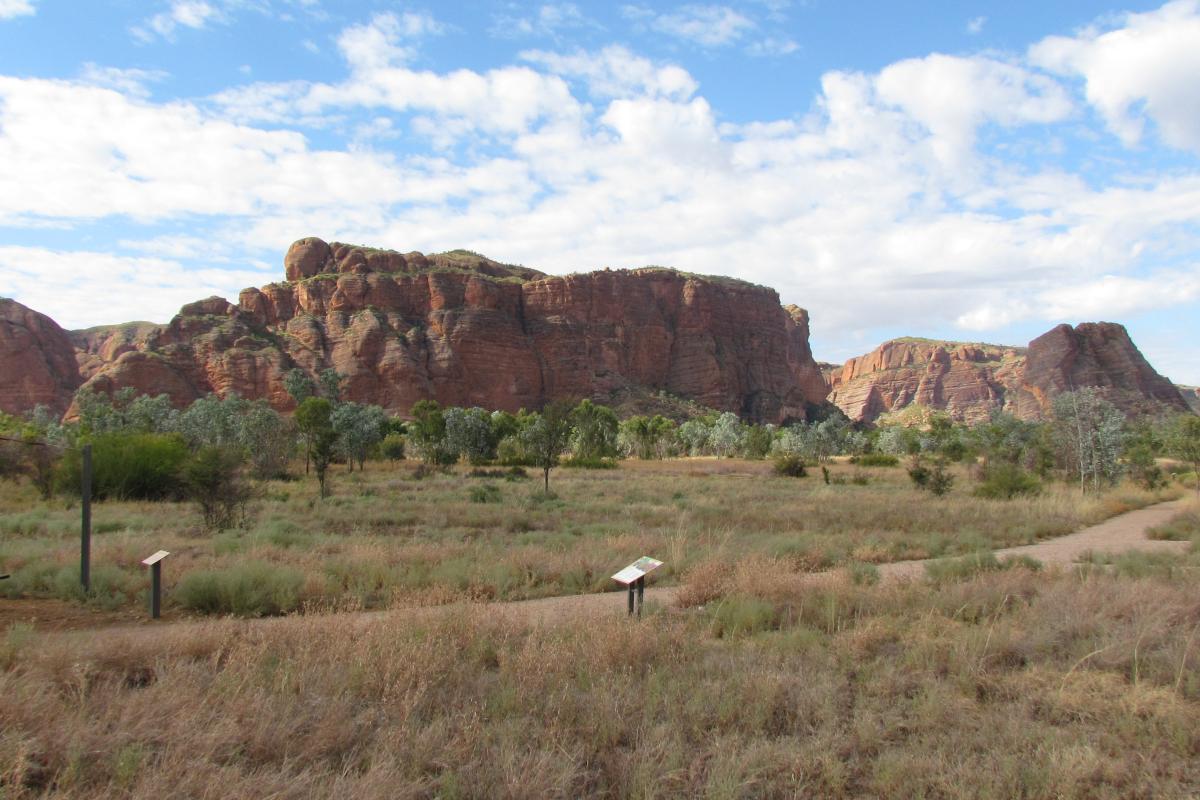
<point>1145,68</point>
<point>125,288</point>
<point>10,9</point>
<point>705,25</point>
<point>549,20</point>
<point>193,14</point>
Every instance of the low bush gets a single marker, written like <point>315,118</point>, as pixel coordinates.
<point>392,447</point>
<point>213,479</point>
<point>1180,528</point>
<point>1004,481</point>
<point>741,616</point>
<point>862,573</point>
<point>488,493</point>
<point>590,463</point>
<point>875,460</point>
<point>790,465</point>
<point>251,589</point>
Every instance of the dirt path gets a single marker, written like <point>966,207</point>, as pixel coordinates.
<point>1119,534</point>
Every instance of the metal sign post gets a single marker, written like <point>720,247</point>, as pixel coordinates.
<point>634,578</point>
<point>155,564</point>
<point>85,541</point>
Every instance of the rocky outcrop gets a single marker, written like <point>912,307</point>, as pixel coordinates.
<point>465,330</point>
<point>970,381</point>
<point>37,361</point>
<point>1191,395</point>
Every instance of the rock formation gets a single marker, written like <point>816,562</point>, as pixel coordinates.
<point>464,330</point>
<point>969,381</point>
<point>37,361</point>
<point>1191,394</point>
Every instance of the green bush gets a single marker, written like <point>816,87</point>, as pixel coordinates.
<point>590,463</point>
<point>392,447</point>
<point>252,589</point>
<point>488,493</point>
<point>212,479</point>
<point>863,573</point>
<point>790,465</point>
<point>1004,481</point>
<point>740,616</point>
<point>875,460</point>
<point>129,466</point>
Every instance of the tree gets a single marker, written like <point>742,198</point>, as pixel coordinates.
<point>726,437</point>
<point>213,421</point>
<point>1183,442</point>
<point>427,432</point>
<point>358,428</point>
<point>392,447</point>
<point>469,433</point>
<point>267,438</point>
<point>212,478</point>
<point>693,435</point>
<point>757,441</point>
<point>547,436</point>
<point>331,381</point>
<point>595,432</point>
<point>313,418</point>
<point>298,385</point>
<point>1090,435</point>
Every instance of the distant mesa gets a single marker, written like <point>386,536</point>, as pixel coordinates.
<point>970,381</point>
<point>465,330</point>
<point>456,327</point>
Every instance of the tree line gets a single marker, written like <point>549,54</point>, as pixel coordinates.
<point>144,447</point>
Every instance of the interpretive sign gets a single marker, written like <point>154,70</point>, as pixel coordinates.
<point>150,561</point>
<point>154,562</point>
<point>638,569</point>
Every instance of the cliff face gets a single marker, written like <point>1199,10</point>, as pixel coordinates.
<point>969,381</point>
<point>37,361</point>
<point>966,380</point>
<point>465,330</point>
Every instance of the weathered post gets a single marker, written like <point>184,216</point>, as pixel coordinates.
<point>155,564</point>
<point>634,579</point>
<point>85,541</point>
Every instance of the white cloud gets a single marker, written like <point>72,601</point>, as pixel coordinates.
<point>975,25</point>
<point>124,288</point>
<point>615,71</point>
<point>549,20</point>
<point>706,25</point>
<point>193,14</point>
<point>10,9</point>
<point>952,96</point>
<point>386,40</point>
<point>129,81</point>
<point>1144,69</point>
<point>772,46</point>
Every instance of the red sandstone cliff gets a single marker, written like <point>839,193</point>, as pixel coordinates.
<point>465,330</point>
<point>969,381</point>
<point>37,361</point>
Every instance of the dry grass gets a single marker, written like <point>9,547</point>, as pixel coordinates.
<point>1010,684</point>
<point>385,538</point>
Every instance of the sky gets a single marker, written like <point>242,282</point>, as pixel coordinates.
<point>951,169</point>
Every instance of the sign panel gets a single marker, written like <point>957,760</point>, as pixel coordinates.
<point>637,569</point>
<point>154,559</point>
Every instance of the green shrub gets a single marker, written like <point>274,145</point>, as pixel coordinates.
<point>790,465</point>
<point>1179,528</point>
<point>252,589</point>
<point>863,573</point>
<point>392,447</point>
<point>590,463</point>
<point>739,616</point>
<point>129,466</point>
<point>1004,481</point>
<point>875,460</point>
<point>212,478</point>
<point>488,493</point>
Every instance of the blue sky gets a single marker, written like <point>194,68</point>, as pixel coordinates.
<point>967,170</point>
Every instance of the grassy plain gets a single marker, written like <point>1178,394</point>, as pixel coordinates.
<point>387,537</point>
<point>1015,683</point>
